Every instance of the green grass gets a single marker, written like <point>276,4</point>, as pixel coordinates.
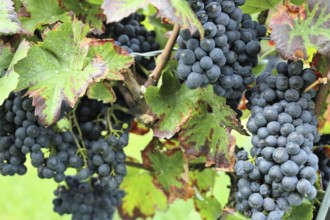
<point>27,197</point>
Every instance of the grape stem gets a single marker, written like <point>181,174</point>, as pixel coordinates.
<point>185,175</point>
<point>135,91</point>
<point>138,165</point>
<point>164,57</point>
<point>323,80</point>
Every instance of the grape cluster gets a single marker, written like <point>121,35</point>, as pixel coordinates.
<point>282,169</point>
<point>21,134</point>
<point>86,201</point>
<point>226,54</point>
<point>103,165</point>
<point>93,147</point>
<point>105,169</point>
<point>324,161</point>
<point>134,37</point>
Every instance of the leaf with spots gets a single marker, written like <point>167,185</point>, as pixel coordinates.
<point>177,11</point>
<point>56,71</point>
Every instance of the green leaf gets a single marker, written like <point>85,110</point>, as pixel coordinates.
<point>6,55</point>
<point>101,91</point>
<point>179,209</point>
<point>56,70</point>
<point>302,212</point>
<point>64,124</point>
<point>43,12</point>
<point>177,11</point>
<point>234,216</point>
<point>9,81</point>
<point>9,23</point>
<point>117,60</point>
<point>256,6</point>
<point>168,168</point>
<point>222,187</point>
<point>297,34</point>
<point>142,195</point>
<point>89,12</point>
<point>97,2</point>
<point>298,2</point>
<point>206,132</point>
<point>209,208</point>
<point>204,179</point>
<point>171,103</point>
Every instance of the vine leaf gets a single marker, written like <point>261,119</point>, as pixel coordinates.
<point>177,11</point>
<point>56,70</point>
<point>90,12</point>
<point>168,168</point>
<point>171,103</point>
<point>255,6</point>
<point>302,212</point>
<point>142,198</point>
<point>179,209</point>
<point>117,59</point>
<point>202,179</point>
<point>101,91</point>
<point>43,12</point>
<point>6,55</point>
<point>9,23</point>
<point>9,81</point>
<point>230,214</point>
<point>209,208</point>
<point>298,32</point>
<point>208,131</point>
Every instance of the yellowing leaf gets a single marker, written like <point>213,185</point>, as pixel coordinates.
<point>141,195</point>
<point>101,91</point>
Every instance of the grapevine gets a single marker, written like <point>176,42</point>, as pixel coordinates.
<point>174,109</point>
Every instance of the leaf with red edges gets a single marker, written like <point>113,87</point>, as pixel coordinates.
<point>297,31</point>
<point>57,71</point>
